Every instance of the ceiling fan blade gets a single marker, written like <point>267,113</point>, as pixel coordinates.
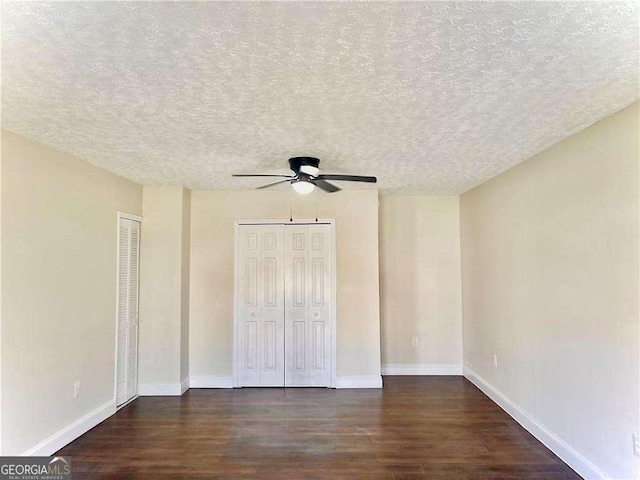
<point>326,186</point>
<point>349,178</point>
<point>260,175</point>
<point>272,184</point>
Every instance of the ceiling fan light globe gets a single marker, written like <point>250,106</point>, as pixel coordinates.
<point>303,187</point>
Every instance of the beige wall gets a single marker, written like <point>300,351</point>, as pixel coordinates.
<point>59,231</point>
<point>163,290</point>
<point>550,286</point>
<point>420,285</point>
<point>212,246</point>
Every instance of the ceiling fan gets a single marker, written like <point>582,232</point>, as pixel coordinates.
<point>307,176</point>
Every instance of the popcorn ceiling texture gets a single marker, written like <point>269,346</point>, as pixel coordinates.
<point>433,98</point>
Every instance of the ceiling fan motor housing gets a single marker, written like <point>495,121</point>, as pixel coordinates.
<point>296,162</point>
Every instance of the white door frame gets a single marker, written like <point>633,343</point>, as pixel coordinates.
<point>136,218</point>
<point>236,275</point>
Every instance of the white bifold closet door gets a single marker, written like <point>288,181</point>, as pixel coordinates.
<point>308,305</point>
<point>261,306</point>
<point>127,321</point>
<point>284,305</point>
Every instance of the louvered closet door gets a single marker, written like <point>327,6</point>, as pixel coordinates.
<point>308,296</point>
<point>261,305</point>
<point>127,324</point>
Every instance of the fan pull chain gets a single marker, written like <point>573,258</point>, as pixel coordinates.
<point>315,194</point>
<point>291,204</point>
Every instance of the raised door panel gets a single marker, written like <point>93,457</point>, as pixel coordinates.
<point>250,355</point>
<point>299,350</point>
<point>251,281</point>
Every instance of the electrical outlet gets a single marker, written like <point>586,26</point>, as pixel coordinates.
<point>414,342</point>
<point>636,444</point>
<point>76,389</point>
<point>495,361</point>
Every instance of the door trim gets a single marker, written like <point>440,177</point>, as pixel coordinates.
<point>129,216</point>
<point>136,218</point>
<point>236,264</point>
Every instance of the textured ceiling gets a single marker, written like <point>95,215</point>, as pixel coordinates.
<point>433,98</point>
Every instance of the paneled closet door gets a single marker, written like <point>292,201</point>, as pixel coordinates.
<point>261,305</point>
<point>308,296</point>
<point>127,321</point>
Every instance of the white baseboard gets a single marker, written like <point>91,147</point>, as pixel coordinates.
<point>349,381</point>
<point>69,433</point>
<point>571,457</point>
<point>212,381</point>
<point>421,369</point>
<point>359,381</point>
<point>160,389</point>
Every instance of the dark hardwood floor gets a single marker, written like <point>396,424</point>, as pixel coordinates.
<point>416,428</point>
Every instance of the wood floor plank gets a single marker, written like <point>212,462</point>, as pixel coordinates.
<point>415,428</point>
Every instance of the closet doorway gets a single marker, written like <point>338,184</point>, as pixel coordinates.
<point>128,287</point>
<point>284,312</point>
